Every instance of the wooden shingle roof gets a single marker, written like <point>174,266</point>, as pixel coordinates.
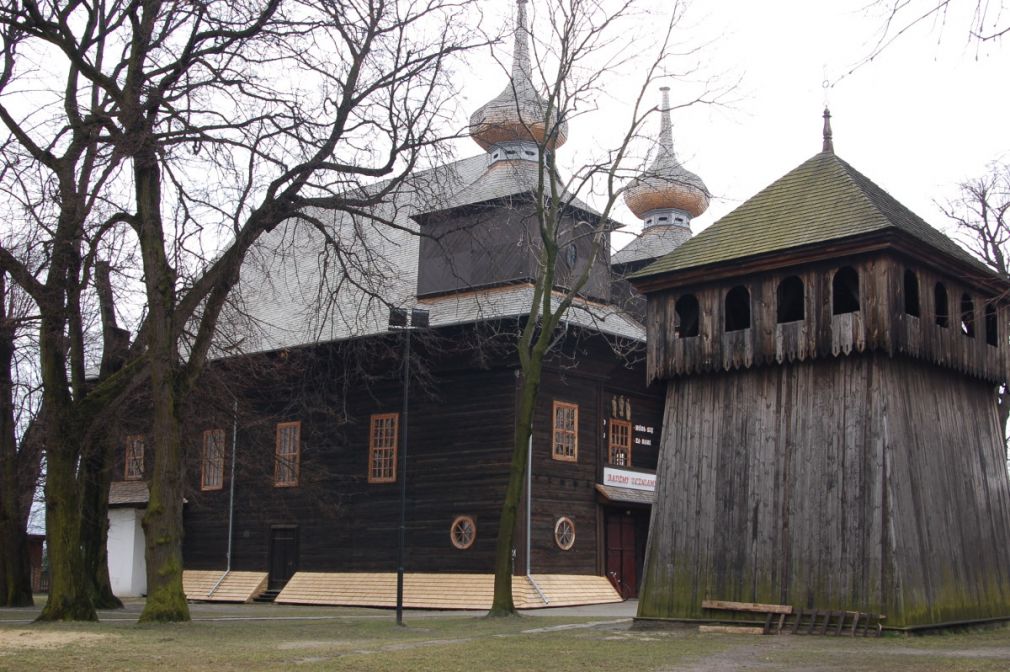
<point>824,199</point>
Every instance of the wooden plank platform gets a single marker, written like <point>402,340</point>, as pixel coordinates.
<point>208,586</point>
<point>747,606</point>
<point>442,591</point>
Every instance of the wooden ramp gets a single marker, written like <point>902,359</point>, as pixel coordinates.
<point>442,591</point>
<point>216,586</point>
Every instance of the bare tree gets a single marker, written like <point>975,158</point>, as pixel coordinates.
<point>226,118</point>
<point>588,44</point>
<point>20,448</point>
<point>981,215</point>
<point>989,21</point>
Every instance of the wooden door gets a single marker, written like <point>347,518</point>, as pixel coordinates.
<point>283,555</point>
<point>621,553</point>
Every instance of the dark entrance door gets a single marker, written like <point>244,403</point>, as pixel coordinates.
<point>625,549</point>
<point>283,555</point>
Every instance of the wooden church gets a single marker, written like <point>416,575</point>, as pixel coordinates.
<point>297,444</point>
<point>831,437</point>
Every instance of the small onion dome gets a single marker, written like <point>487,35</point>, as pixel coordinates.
<point>666,185</point>
<point>517,113</point>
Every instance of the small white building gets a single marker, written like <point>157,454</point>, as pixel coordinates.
<point>127,569</point>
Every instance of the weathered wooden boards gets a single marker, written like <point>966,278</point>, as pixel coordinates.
<point>782,619</point>
<point>864,482</point>
<point>443,590</point>
<point>881,324</point>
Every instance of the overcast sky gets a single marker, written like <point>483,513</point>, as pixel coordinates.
<point>930,111</point>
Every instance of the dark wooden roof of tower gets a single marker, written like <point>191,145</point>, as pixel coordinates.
<point>823,200</point>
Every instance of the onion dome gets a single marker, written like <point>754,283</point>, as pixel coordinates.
<point>666,193</point>
<point>516,116</point>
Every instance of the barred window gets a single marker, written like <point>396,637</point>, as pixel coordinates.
<point>620,443</point>
<point>566,432</point>
<point>133,467</point>
<point>382,448</point>
<point>288,455</point>
<point>212,460</point>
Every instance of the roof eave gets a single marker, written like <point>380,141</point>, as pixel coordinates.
<point>894,240</point>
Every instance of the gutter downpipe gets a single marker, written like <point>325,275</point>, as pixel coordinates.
<point>529,518</point>
<point>231,495</point>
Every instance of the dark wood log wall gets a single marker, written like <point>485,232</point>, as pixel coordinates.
<point>568,488</point>
<point>880,325</point>
<point>460,447</point>
<point>865,482</point>
<point>458,452</point>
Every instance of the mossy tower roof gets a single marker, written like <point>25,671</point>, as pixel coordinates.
<point>824,199</point>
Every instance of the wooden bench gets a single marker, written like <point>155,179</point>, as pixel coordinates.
<point>770,611</point>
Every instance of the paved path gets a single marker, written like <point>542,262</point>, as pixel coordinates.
<point>203,611</point>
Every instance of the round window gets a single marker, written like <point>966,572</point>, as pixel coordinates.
<point>463,532</point>
<point>564,533</point>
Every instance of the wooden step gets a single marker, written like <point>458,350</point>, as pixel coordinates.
<point>208,585</point>
<point>442,591</point>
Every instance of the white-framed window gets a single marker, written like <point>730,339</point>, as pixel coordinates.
<point>565,432</point>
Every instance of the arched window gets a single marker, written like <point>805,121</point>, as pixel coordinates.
<point>940,301</point>
<point>967,316</point>
<point>911,293</point>
<point>687,316</point>
<point>845,291</point>
<point>737,309</point>
<point>991,325</point>
<point>790,300</point>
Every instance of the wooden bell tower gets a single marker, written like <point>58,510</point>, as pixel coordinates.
<point>831,436</point>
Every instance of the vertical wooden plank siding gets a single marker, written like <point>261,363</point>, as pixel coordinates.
<point>864,483</point>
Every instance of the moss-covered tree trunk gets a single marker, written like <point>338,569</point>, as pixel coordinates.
<point>69,597</point>
<point>166,600</point>
<point>69,594</point>
<point>163,529</point>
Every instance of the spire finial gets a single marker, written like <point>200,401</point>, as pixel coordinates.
<point>665,125</point>
<point>521,70</point>
<point>829,145</point>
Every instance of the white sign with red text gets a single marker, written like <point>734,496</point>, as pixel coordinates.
<point>635,480</point>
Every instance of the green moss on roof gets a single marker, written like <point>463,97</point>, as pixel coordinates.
<point>823,199</point>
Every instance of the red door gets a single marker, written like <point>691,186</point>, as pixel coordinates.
<point>621,550</point>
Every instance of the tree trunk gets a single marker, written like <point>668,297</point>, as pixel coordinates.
<point>502,604</point>
<point>96,470</point>
<point>163,529</point>
<point>69,597</point>
<point>15,565</point>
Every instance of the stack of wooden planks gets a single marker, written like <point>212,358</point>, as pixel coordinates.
<point>782,619</point>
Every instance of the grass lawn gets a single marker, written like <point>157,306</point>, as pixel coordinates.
<point>258,637</point>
